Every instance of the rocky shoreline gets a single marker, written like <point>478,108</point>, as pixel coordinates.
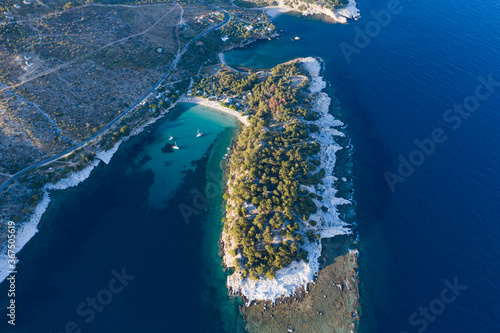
<point>299,275</point>
<point>301,297</point>
<point>26,230</point>
<point>331,303</point>
<point>341,15</point>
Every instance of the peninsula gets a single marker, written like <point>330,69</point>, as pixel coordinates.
<point>66,104</point>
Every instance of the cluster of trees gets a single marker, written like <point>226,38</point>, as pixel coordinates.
<point>232,84</point>
<point>331,4</point>
<point>236,32</point>
<point>267,209</point>
<point>335,4</point>
<point>199,55</point>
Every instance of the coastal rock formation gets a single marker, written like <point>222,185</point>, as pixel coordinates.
<point>341,15</point>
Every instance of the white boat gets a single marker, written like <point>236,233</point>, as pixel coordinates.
<point>170,137</point>
<point>297,38</point>
<point>198,134</point>
<point>175,146</point>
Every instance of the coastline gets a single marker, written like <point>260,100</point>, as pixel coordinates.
<point>214,105</point>
<point>331,303</point>
<point>27,230</point>
<point>300,274</point>
<point>341,15</point>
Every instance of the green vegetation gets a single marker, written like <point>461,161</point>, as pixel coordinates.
<point>205,54</point>
<point>250,4</point>
<point>236,32</point>
<point>331,4</point>
<point>267,210</point>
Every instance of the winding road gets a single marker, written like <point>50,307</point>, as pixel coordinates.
<point>227,18</point>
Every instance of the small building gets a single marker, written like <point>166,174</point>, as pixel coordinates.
<point>26,2</point>
<point>17,6</point>
<point>210,20</point>
<point>224,39</point>
<point>249,27</point>
<point>199,43</point>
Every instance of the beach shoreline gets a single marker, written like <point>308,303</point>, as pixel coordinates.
<point>214,105</point>
<point>341,15</point>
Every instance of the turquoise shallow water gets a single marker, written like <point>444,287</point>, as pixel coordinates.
<point>126,219</point>
<point>441,224</point>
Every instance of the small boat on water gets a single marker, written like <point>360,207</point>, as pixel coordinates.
<point>175,146</point>
<point>297,38</point>
<point>198,134</point>
<point>170,137</point>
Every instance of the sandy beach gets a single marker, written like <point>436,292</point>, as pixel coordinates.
<point>214,105</point>
<point>350,11</point>
<point>274,11</point>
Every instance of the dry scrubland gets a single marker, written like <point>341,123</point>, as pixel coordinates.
<point>66,71</point>
<point>71,73</point>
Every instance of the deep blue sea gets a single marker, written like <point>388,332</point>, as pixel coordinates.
<point>442,222</point>
<point>429,246</point>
